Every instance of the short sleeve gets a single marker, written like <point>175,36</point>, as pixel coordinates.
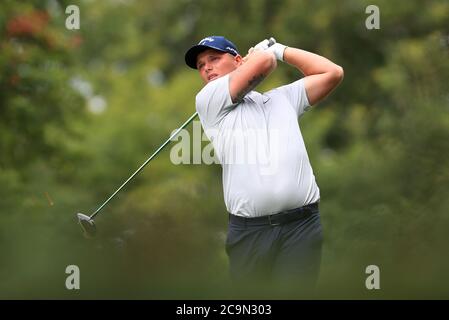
<point>214,101</point>
<point>295,92</point>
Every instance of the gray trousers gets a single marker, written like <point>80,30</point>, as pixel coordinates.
<point>285,258</point>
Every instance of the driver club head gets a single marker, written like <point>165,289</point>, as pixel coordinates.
<point>87,224</point>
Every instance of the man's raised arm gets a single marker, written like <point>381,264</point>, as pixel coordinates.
<point>321,74</point>
<point>254,68</point>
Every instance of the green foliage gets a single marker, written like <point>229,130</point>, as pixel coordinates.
<point>80,110</point>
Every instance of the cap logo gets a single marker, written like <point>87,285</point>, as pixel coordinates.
<point>208,39</point>
<point>231,49</point>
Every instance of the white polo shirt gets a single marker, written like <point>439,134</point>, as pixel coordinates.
<point>260,147</point>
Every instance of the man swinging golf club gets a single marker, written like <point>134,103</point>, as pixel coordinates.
<point>274,233</point>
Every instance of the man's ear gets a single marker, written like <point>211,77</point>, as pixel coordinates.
<point>238,58</point>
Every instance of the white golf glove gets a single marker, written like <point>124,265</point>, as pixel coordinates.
<point>262,45</point>
<point>277,48</point>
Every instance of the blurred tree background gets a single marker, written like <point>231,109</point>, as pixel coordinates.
<point>80,110</point>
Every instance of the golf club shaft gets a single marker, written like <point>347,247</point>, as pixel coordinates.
<point>145,163</point>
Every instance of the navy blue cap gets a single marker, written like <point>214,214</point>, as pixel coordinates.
<point>213,42</point>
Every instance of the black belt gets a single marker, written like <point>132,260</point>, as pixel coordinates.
<point>277,218</point>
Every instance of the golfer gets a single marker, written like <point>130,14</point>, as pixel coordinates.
<point>274,233</point>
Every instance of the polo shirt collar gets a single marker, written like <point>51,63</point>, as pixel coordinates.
<point>258,97</point>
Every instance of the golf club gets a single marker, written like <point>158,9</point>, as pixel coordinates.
<point>87,222</point>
